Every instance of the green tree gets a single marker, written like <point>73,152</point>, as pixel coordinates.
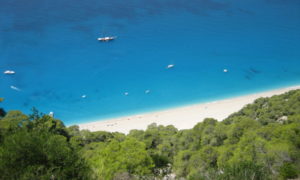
<point>13,121</point>
<point>288,171</point>
<point>39,155</point>
<point>118,157</point>
<point>243,170</point>
<point>2,112</point>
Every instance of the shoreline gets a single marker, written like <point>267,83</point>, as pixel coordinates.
<point>184,117</point>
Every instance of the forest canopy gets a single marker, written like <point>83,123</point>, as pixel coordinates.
<point>261,141</point>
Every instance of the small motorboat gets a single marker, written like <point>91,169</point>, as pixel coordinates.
<point>9,72</point>
<point>107,38</point>
<point>15,88</point>
<point>225,70</point>
<point>170,66</point>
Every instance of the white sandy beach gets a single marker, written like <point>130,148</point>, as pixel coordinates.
<point>182,118</point>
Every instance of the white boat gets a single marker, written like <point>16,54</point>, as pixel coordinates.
<point>107,38</point>
<point>15,88</point>
<point>225,70</point>
<point>170,66</point>
<point>9,72</point>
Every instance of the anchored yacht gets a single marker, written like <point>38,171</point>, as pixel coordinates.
<point>107,38</point>
<point>9,72</point>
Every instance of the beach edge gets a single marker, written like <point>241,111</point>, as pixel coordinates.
<point>184,117</point>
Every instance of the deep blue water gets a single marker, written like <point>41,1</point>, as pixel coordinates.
<point>52,46</point>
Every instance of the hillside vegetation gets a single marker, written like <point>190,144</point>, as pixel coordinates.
<point>261,141</point>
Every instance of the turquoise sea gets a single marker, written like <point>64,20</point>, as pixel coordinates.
<point>61,67</point>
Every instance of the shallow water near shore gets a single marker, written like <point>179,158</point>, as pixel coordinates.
<point>52,47</point>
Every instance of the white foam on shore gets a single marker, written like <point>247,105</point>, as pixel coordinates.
<point>183,117</point>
